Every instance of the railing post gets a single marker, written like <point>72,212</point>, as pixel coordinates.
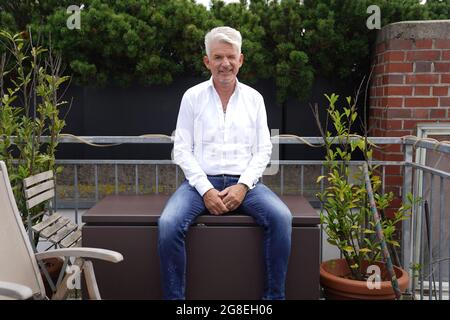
<point>407,234</point>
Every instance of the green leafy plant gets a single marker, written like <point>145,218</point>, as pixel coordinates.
<point>30,78</point>
<point>346,216</point>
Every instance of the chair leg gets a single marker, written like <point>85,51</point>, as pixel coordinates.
<point>91,282</point>
<point>62,291</point>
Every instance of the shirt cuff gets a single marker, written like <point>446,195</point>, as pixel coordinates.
<point>203,186</point>
<point>248,182</point>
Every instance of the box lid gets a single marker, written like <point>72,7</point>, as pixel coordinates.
<point>146,209</point>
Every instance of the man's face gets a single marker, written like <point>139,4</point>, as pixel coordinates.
<point>224,63</point>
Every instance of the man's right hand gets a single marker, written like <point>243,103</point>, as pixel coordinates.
<point>214,203</point>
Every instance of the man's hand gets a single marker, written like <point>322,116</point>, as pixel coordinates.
<point>233,196</point>
<point>214,203</point>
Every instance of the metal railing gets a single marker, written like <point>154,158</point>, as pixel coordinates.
<point>422,242</point>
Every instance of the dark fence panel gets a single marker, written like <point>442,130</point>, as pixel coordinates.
<point>138,110</point>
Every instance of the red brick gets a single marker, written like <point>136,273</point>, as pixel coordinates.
<point>446,55</point>
<point>421,113</point>
<point>442,66</point>
<point>440,91</point>
<point>422,91</point>
<point>398,133</point>
<point>394,156</point>
<point>392,79</point>
<point>392,170</point>
<point>378,155</point>
<point>444,102</point>
<point>422,66</point>
<point>375,112</point>
<point>412,124</point>
<point>392,148</point>
<point>422,78</point>
<point>399,44</point>
<point>394,189</point>
<point>424,44</point>
<point>376,132</point>
<point>373,101</point>
<point>394,56</point>
<point>421,102</point>
<point>390,212</point>
<point>427,55</point>
<point>442,43</point>
<point>398,67</point>
<point>445,78</point>
<point>379,91</point>
<point>396,202</point>
<point>392,102</point>
<point>437,113</point>
<point>392,124</point>
<point>379,68</point>
<point>394,180</point>
<point>375,122</point>
<point>397,91</point>
<point>381,47</point>
<point>379,81</point>
<point>398,113</point>
<point>378,59</point>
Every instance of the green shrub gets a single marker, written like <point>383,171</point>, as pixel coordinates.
<point>154,42</point>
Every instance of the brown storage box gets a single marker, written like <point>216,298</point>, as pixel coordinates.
<point>224,253</point>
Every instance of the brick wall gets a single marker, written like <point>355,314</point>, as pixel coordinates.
<point>410,85</point>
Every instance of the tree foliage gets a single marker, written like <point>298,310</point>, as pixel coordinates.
<point>155,41</point>
<point>30,103</point>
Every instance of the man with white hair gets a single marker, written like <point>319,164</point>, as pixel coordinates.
<point>222,144</point>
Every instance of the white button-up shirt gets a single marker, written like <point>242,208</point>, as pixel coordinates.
<point>211,142</point>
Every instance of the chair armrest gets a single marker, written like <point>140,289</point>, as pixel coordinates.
<point>80,252</point>
<point>15,290</point>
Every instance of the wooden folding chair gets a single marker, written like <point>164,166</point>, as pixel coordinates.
<point>19,262</point>
<point>60,231</point>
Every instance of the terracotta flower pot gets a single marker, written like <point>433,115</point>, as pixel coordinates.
<point>336,285</point>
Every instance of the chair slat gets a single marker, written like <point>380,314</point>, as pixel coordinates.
<point>44,224</point>
<point>61,234</point>
<point>53,229</point>
<point>37,178</point>
<point>39,214</point>
<point>50,184</point>
<point>71,239</point>
<point>40,198</point>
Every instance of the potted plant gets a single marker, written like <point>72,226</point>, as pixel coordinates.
<point>30,79</point>
<point>350,221</point>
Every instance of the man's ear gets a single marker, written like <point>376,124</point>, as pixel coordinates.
<point>206,62</point>
<point>241,60</point>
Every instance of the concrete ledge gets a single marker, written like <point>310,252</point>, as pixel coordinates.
<point>411,30</point>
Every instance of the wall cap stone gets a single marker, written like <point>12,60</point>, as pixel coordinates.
<point>412,30</point>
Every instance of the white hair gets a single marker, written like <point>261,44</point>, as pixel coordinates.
<point>223,34</point>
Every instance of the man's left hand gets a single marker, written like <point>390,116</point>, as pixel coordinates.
<point>233,196</point>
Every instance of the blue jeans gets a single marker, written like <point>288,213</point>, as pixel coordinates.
<point>186,204</point>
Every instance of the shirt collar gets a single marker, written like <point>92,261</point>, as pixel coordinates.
<point>211,84</point>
